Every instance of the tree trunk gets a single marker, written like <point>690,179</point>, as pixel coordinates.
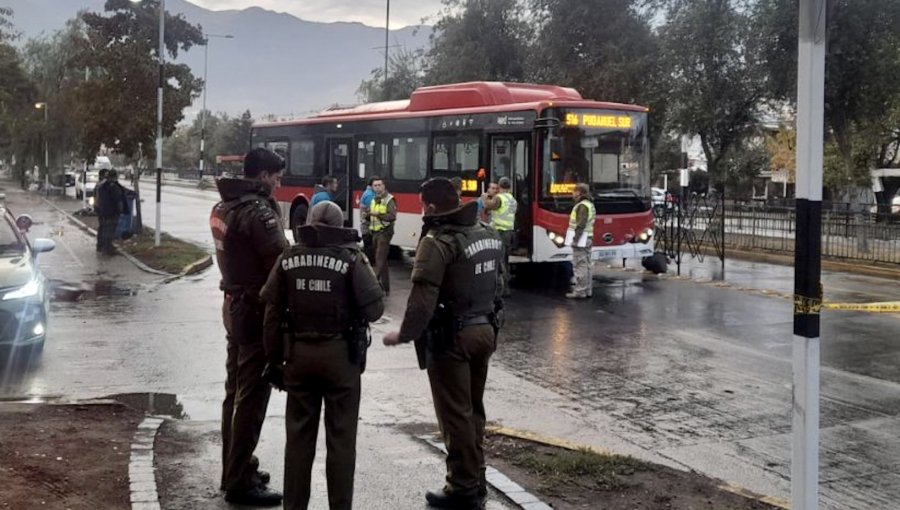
<point>138,219</point>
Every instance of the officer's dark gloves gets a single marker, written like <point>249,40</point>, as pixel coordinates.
<point>274,375</point>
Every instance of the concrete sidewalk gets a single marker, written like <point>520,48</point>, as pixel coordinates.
<point>393,468</point>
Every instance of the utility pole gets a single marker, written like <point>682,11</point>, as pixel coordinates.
<point>205,81</point>
<point>159,117</point>
<point>45,107</point>
<point>387,33</point>
<point>808,255</point>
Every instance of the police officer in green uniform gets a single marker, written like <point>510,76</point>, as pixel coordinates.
<point>326,294</point>
<point>248,237</point>
<point>501,208</point>
<point>453,310</point>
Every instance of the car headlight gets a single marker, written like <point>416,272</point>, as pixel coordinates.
<point>26,291</point>
<point>91,201</point>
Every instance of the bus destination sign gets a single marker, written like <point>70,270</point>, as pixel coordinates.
<point>593,120</point>
<point>562,188</point>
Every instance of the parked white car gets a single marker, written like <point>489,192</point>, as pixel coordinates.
<point>85,187</point>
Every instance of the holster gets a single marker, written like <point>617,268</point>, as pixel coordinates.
<point>359,338</point>
<point>439,336</point>
<point>497,317</point>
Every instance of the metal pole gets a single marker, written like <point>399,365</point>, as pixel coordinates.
<point>203,110</point>
<point>807,255</point>
<point>387,32</point>
<point>159,117</point>
<point>46,151</point>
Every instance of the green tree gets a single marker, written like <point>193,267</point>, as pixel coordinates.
<point>50,62</point>
<point>713,78</point>
<point>18,122</point>
<point>862,65</point>
<point>604,48</point>
<point>476,40</point>
<point>238,136</point>
<point>404,76</point>
<point>118,104</point>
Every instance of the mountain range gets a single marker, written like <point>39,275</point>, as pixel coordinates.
<point>276,64</point>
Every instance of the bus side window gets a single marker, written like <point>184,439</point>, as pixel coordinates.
<point>280,147</point>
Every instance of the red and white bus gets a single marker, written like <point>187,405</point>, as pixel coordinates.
<point>544,138</point>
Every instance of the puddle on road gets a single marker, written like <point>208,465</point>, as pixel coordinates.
<point>165,404</point>
<point>72,292</point>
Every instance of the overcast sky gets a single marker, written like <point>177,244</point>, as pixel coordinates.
<point>370,12</point>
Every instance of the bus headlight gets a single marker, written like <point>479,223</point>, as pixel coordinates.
<point>556,239</point>
<point>646,235</point>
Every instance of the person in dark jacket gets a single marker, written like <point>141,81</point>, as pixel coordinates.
<point>324,191</point>
<point>249,238</point>
<point>325,291</point>
<point>110,199</point>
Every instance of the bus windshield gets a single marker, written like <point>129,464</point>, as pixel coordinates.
<point>606,149</point>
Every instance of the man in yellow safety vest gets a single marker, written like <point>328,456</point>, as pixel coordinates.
<point>382,215</point>
<point>501,207</point>
<point>580,237</point>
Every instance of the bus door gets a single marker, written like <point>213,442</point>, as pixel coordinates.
<point>509,158</point>
<point>338,166</point>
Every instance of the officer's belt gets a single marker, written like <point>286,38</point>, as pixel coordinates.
<point>313,337</point>
<point>479,320</point>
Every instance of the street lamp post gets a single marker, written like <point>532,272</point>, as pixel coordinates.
<point>46,108</point>
<point>159,117</point>
<point>205,81</point>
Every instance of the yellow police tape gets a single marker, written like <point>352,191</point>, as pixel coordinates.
<point>885,307</point>
<point>812,306</point>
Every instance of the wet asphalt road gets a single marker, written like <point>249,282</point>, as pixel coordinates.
<point>692,373</point>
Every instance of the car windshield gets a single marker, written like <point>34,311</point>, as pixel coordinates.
<point>10,241</point>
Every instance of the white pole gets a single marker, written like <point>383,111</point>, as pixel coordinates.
<point>203,109</point>
<point>807,257</point>
<point>46,150</point>
<point>159,117</point>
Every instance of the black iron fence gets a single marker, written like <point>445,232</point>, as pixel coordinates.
<point>697,225</point>
<point>847,233</point>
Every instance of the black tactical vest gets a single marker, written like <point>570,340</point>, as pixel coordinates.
<point>470,281</point>
<point>235,256</point>
<point>320,289</point>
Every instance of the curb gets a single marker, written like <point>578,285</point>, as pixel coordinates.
<point>141,473</point>
<point>510,489</point>
<point>190,269</point>
<point>784,259</point>
<point>569,445</point>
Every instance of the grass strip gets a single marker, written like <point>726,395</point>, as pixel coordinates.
<point>558,466</point>
<point>171,256</point>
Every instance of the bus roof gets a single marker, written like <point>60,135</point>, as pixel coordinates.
<point>472,97</point>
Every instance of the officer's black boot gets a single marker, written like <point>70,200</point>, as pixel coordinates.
<point>454,500</point>
<point>257,496</point>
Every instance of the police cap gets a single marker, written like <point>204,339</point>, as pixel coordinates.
<point>440,193</point>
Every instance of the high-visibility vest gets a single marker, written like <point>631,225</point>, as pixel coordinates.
<point>503,218</point>
<point>588,227</point>
<point>380,206</point>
